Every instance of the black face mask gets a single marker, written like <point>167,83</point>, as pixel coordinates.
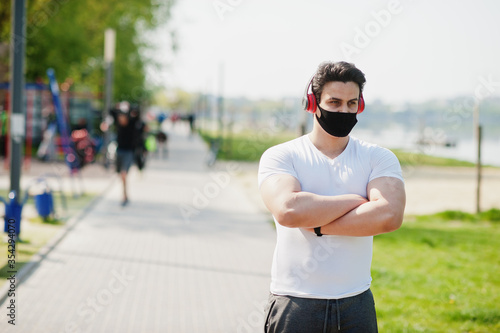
<point>338,124</point>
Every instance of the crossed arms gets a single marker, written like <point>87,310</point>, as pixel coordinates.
<point>346,215</point>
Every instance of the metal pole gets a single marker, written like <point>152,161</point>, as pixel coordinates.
<point>109,58</point>
<point>478,169</point>
<point>475,120</point>
<point>17,121</point>
<point>109,88</point>
<point>220,108</point>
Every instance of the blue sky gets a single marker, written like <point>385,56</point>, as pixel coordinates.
<point>410,50</point>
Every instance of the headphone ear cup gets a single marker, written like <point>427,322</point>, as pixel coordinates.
<point>311,103</point>
<point>305,102</point>
<point>361,103</point>
<point>308,99</point>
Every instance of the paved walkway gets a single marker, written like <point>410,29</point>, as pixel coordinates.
<point>190,253</point>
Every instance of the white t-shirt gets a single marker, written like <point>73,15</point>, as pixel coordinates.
<point>330,267</point>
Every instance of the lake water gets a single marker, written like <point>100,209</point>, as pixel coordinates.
<point>465,148</point>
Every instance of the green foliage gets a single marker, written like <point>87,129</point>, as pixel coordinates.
<point>438,277</point>
<point>175,99</point>
<point>245,146</point>
<point>455,215</point>
<point>492,215</point>
<point>69,37</point>
<point>410,158</point>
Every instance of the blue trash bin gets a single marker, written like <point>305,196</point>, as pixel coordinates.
<point>13,211</point>
<point>44,204</point>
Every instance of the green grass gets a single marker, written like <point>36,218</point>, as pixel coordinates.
<point>409,158</point>
<point>35,232</point>
<point>439,273</point>
<point>246,146</point>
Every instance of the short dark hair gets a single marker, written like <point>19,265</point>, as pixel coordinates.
<point>336,71</point>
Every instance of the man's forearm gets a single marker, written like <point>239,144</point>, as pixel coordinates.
<point>369,219</point>
<point>306,210</point>
<point>382,213</point>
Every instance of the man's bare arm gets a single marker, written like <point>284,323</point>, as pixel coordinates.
<point>381,214</point>
<point>294,208</point>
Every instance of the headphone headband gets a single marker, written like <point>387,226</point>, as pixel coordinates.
<point>310,104</point>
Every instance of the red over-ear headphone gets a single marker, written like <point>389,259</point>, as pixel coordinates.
<point>309,101</point>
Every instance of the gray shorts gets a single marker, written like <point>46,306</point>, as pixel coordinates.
<point>124,159</point>
<point>288,314</point>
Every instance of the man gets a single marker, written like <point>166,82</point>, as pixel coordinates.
<point>329,194</point>
<point>126,139</point>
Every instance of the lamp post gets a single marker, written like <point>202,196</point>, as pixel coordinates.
<point>109,58</point>
<point>17,121</point>
<point>13,207</point>
<point>478,136</point>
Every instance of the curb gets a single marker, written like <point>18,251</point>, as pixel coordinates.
<point>37,258</point>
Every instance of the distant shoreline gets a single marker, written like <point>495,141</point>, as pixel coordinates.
<point>464,149</point>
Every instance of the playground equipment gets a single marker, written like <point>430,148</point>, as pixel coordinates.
<point>36,100</point>
<point>44,203</point>
<point>68,146</point>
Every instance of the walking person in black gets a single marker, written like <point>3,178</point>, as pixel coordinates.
<point>126,138</point>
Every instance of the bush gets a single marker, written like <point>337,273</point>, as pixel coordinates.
<point>492,215</point>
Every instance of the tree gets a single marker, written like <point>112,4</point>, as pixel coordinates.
<point>177,100</point>
<point>69,37</point>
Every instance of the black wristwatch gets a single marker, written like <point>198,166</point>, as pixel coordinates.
<point>317,230</point>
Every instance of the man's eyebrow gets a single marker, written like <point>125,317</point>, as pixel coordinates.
<point>340,99</point>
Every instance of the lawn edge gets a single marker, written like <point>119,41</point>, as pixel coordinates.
<point>38,257</point>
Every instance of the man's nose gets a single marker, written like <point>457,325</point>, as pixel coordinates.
<point>344,108</point>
